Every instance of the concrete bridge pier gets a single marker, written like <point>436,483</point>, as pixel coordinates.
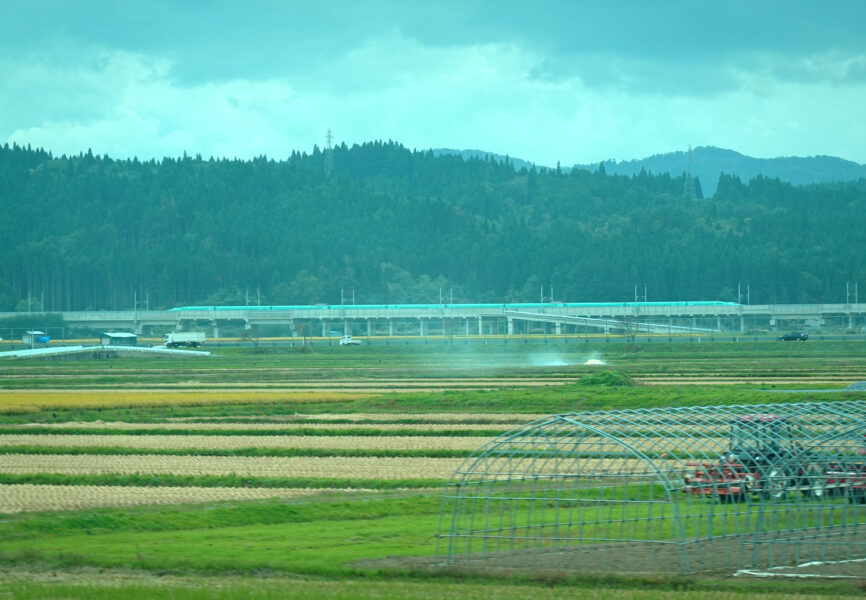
<point>216,328</point>
<point>390,327</point>
<point>558,325</point>
<point>423,328</point>
<point>326,328</point>
<point>480,326</point>
<point>510,326</point>
<point>369,328</point>
<point>347,329</point>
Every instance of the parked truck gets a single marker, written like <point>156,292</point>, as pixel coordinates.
<point>191,339</point>
<point>766,459</point>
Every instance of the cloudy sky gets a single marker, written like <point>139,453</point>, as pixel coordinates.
<point>573,81</point>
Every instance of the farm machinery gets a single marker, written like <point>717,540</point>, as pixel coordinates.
<point>766,459</point>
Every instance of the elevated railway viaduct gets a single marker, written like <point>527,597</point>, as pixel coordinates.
<point>485,319</point>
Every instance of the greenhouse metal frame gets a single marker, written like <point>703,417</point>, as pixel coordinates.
<point>776,488</point>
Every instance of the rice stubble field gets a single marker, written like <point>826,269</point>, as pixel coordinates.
<point>307,515</point>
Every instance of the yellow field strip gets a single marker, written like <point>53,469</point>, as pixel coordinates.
<point>264,466</point>
<point>432,427</point>
<point>24,400</point>
<point>229,442</point>
<point>27,497</point>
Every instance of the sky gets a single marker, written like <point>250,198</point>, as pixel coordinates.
<point>549,81</point>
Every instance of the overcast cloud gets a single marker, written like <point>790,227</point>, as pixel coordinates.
<point>568,81</point>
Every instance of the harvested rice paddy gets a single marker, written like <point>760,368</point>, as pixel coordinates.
<point>85,437</point>
<point>28,497</point>
<point>232,442</point>
<point>263,466</point>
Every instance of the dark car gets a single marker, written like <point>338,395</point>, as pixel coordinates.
<point>794,336</point>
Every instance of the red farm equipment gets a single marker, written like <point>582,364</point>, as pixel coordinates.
<point>766,459</point>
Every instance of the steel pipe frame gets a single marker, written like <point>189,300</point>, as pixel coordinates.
<point>596,480</point>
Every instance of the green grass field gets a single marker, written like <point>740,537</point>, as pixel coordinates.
<point>337,544</point>
<point>320,542</point>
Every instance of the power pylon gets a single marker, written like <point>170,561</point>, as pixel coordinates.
<point>329,154</point>
<point>689,185</point>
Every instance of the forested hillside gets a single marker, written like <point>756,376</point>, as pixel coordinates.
<point>396,226</point>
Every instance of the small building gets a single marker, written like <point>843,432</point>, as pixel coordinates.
<point>35,337</point>
<point>118,339</point>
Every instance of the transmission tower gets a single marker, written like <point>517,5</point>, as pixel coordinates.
<point>329,154</point>
<point>689,185</point>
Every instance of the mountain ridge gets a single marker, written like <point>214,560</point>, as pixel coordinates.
<point>708,163</point>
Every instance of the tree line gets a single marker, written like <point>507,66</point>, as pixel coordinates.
<point>390,225</point>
